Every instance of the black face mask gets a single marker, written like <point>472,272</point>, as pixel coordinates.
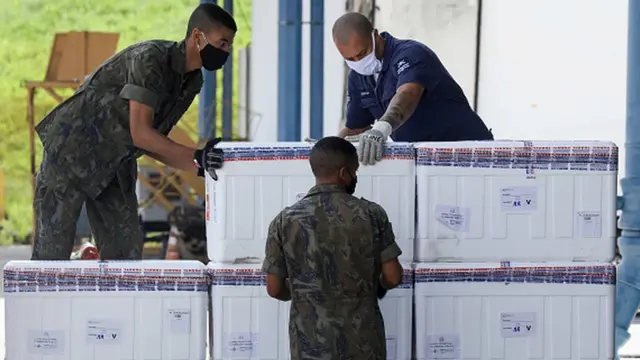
<point>351,188</point>
<point>212,57</point>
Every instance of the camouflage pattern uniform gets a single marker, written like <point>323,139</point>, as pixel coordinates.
<point>330,246</point>
<point>89,156</point>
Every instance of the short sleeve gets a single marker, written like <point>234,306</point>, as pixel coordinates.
<point>145,77</point>
<point>274,262</point>
<point>357,116</point>
<point>389,249</point>
<point>414,64</point>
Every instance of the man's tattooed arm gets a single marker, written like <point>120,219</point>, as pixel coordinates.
<point>403,104</point>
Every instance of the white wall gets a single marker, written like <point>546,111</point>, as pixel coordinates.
<point>448,27</point>
<point>263,65</point>
<point>554,69</point>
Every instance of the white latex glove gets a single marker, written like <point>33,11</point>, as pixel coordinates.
<point>372,143</point>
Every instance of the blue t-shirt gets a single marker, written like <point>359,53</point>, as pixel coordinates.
<point>443,114</point>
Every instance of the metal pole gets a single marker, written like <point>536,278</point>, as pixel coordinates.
<point>227,87</point>
<point>628,277</point>
<point>207,102</point>
<point>316,103</point>
<point>289,70</point>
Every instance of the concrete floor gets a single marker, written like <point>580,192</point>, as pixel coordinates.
<point>631,349</point>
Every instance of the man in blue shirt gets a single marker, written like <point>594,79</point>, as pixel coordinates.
<point>403,84</point>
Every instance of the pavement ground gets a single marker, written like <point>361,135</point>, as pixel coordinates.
<point>630,351</point>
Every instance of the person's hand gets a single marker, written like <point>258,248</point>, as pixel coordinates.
<point>209,158</point>
<point>372,143</point>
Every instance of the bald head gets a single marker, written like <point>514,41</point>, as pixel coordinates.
<point>351,24</point>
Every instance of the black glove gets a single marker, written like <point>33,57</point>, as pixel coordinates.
<point>209,158</point>
<point>381,292</point>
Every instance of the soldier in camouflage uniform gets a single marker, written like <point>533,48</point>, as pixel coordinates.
<point>123,110</point>
<point>328,253</point>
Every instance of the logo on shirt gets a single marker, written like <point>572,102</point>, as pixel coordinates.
<point>364,93</point>
<point>401,66</point>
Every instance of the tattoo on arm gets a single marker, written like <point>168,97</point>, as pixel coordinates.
<point>402,106</point>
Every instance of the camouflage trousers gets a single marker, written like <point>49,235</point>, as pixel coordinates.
<point>113,217</point>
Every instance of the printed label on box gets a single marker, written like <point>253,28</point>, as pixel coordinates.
<point>589,224</point>
<point>443,346</point>
<point>519,199</point>
<point>105,332</point>
<point>517,324</point>
<point>241,345</point>
<point>49,342</point>
<point>453,217</point>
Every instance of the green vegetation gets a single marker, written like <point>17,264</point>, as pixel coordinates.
<point>28,28</point>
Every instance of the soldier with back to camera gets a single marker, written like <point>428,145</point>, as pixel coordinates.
<point>329,253</point>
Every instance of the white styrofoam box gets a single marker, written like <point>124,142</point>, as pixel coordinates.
<point>397,311</point>
<point>516,201</point>
<point>246,322</point>
<point>514,311</point>
<point>121,310</point>
<point>258,180</point>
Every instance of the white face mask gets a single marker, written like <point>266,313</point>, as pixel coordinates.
<point>369,64</point>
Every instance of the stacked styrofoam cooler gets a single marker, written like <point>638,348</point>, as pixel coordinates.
<point>514,242</point>
<point>255,184</point>
<point>88,310</point>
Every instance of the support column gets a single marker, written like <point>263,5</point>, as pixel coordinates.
<point>289,70</point>
<point>207,101</point>
<point>316,102</point>
<point>628,277</point>
<point>227,87</point>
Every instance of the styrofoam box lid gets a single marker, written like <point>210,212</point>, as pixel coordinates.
<point>541,155</point>
<point>65,276</point>
<point>516,144</point>
<point>192,270</point>
<point>246,151</point>
<point>506,272</point>
<point>170,266</point>
<point>238,274</point>
<point>254,265</point>
<point>251,274</point>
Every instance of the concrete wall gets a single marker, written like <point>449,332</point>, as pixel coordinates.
<point>447,26</point>
<point>554,69</point>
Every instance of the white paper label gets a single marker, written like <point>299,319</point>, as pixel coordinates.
<point>49,342</point>
<point>443,346</point>
<point>589,224</point>
<point>241,345</point>
<point>106,332</point>
<point>453,217</point>
<point>392,346</point>
<point>518,324</point>
<point>180,320</point>
<point>522,198</point>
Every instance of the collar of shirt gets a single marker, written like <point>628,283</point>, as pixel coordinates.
<point>389,46</point>
<point>325,188</point>
<point>179,58</point>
